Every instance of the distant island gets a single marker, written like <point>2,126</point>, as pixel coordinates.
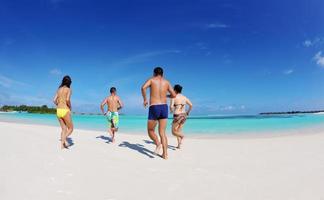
<point>292,112</point>
<point>29,109</point>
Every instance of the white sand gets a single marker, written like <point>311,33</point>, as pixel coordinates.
<point>33,167</point>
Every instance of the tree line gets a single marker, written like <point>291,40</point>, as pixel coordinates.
<point>292,112</point>
<point>30,109</point>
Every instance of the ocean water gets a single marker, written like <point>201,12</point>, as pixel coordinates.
<point>206,125</point>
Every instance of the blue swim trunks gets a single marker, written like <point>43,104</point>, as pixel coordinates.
<point>157,112</point>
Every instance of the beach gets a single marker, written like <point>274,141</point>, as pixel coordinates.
<point>276,167</point>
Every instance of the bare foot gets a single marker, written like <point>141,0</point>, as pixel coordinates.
<point>157,149</point>
<point>165,156</point>
<point>64,146</point>
<point>180,143</point>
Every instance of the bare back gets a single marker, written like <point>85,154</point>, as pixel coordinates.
<point>63,97</point>
<point>159,89</point>
<point>180,103</point>
<point>113,103</point>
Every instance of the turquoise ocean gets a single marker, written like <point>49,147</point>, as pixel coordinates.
<point>198,125</point>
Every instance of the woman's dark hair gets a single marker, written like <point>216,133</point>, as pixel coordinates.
<point>66,81</point>
<point>178,88</point>
<point>112,90</point>
<point>158,71</point>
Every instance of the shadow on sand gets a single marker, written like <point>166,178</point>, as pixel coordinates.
<point>105,138</point>
<point>169,146</point>
<point>70,141</point>
<point>139,148</point>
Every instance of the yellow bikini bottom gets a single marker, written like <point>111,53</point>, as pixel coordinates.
<point>61,112</point>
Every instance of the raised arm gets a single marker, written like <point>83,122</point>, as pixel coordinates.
<point>188,102</point>
<point>68,99</point>
<point>102,105</point>
<point>144,87</point>
<point>171,91</point>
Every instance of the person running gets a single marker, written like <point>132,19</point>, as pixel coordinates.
<point>114,104</point>
<point>62,100</point>
<point>158,109</point>
<point>178,108</point>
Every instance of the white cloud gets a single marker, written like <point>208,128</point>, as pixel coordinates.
<point>313,42</point>
<point>216,25</point>
<point>319,59</point>
<point>288,71</point>
<point>208,53</point>
<point>8,82</point>
<point>145,56</point>
<point>55,71</point>
<point>19,99</point>
<point>307,43</point>
<point>231,108</point>
<point>227,108</point>
<point>201,45</point>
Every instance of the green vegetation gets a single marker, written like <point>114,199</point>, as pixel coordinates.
<point>30,109</point>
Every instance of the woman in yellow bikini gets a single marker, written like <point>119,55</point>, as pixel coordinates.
<point>178,107</point>
<point>63,111</point>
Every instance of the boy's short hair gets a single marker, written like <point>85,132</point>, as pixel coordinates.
<point>177,88</point>
<point>158,71</point>
<point>112,90</point>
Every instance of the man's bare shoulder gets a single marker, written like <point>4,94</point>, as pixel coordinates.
<point>107,99</point>
<point>167,81</point>
<point>150,79</point>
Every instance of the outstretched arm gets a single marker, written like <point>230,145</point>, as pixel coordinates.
<point>103,103</point>
<point>55,99</point>
<point>188,102</point>
<point>172,105</point>
<point>120,104</point>
<point>144,87</point>
<point>171,91</point>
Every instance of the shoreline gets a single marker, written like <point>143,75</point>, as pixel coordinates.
<point>316,129</point>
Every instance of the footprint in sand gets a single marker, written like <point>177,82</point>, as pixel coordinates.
<point>63,192</point>
<point>69,174</point>
<point>61,158</point>
<point>174,187</point>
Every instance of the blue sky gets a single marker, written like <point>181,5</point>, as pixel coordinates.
<point>232,57</point>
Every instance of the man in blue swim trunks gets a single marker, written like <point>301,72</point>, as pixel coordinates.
<point>158,110</point>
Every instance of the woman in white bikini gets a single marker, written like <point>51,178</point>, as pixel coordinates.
<point>178,108</point>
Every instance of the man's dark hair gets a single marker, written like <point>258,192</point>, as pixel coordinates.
<point>112,90</point>
<point>177,88</point>
<point>158,71</point>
